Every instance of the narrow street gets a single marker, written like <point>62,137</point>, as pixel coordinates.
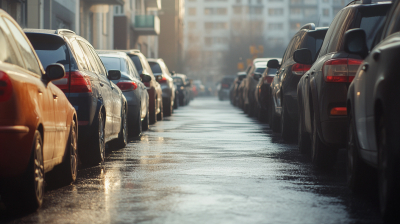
<point>208,163</point>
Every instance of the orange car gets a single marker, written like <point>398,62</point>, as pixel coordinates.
<point>38,126</point>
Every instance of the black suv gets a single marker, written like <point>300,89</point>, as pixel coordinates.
<point>99,103</point>
<point>322,90</point>
<point>283,104</point>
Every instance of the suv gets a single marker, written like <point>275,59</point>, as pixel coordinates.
<point>163,76</point>
<point>373,110</point>
<point>322,90</point>
<point>283,104</point>
<point>100,104</point>
<point>153,87</point>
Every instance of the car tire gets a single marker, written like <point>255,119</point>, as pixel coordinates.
<point>122,139</point>
<point>357,170</point>
<point>153,115</point>
<point>274,119</point>
<point>137,127</point>
<point>26,192</point>
<point>322,156</point>
<point>176,103</point>
<point>388,179</point>
<point>287,124</point>
<point>96,146</point>
<point>303,138</point>
<point>160,115</point>
<point>167,107</point>
<point>146,121</point>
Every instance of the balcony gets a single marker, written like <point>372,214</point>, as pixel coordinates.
<point>146,25</point>
<point>105,2</point>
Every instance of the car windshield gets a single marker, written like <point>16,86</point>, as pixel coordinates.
<point>113,63</point>
<point>50,49</point>
<point>137,63</point>
<point>155,67</point>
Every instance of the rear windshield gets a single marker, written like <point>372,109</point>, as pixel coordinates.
<point>371,19</point>
<point>155,67</point>
<point>178,81</point>
<point>51,49</point>
<point>137,63</point>
<point>313,41</point>
<point>271,71</point>
<point>260,70</point>
<point>228,80</point>
<point>112,63</point>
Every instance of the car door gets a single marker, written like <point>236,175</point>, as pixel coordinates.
<point>35,85</point>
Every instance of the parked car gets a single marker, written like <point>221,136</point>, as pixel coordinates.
<point>99,103</point>
<point>153,87</point>
<point>250,83</point>
<point>183,87</point>
<point>38,126</point>
<point>200,87</point>
<point>263,92</point>
<point>224,87</point>
<point>284,110</point>
<point>234,91</point>
<point>323,90</point>
<point>373,112</point>
<point>133,89</point>
<point>163,76</point>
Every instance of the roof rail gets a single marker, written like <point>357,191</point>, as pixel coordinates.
<point>59,31</point>
<point>309,26</point>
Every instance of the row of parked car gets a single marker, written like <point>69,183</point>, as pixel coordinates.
<point>62,101</point>
<point>334,88</point>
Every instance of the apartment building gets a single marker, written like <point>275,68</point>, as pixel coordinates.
<point>215,30</point>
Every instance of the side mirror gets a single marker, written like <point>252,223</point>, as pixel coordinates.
<point>114,74</point>
<point>145,77</point>
<point>303,56</point>
<point>273,63</point>
<point>355,42</point>
<point>55,71</point>
<point>172,72</point>
<point>257,75</point>
<point>159,77</point>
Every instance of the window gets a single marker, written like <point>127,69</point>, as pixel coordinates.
<point>137,63</point>
<point>275,11</point>
<point>310,12</point>
<point>275,26</point>
<point>294,2</point>
<point>215,25</point>
<point>192,25</point>
<point>215,11</point>
<point>9,52</point>
<point>112,63</point>
<point>192,11</point>
<point>258,11</point>
<point>155,68</point>
<point>259,1</point>
<point>93,66</point>
<point>79,56</point>
<point>29,57</point>
<point>237,10</point>
<point>310,2</point>
<point>325,12</point>
<point>296,11</point>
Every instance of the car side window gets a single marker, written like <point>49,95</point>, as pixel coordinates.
<point>329,35</point>
<point>287,52</point>
<point>80,59</point>
<point>91,62</point>
<point>31,62</point>
<point>394,25</point>
<point>100,65</point>
<point>343,24</point>
<point>133,68</point>
<point>9,52</point>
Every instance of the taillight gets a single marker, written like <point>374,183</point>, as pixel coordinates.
<point>225,85</point>
<point>340,70</point>
<point>162,80</point>
<point>268,79</point>
<point>339,111</point>
<point>5,87</point>
<point>300,69</point>
<point>126,86</point>
<point>80,83</point>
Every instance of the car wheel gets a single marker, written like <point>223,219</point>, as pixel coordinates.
<point>287,125</point>
<point>388,179</point>
<point>97,146</point>
<point>160,115</point>
<point>168,107</point>
<point>176,103</point>
<point>26,192</point>
<point>274,119</point>
<point>122,139</point>
<point>146,121</point>
<point>138,125</point>
<point>303,138</point>
<point>153,115</point>
<point>322,156</point>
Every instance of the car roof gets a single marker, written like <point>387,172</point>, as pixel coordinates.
<point>112,54</point>
<point>48,31</point>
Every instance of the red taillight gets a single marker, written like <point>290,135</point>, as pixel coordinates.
<point>80,83</point>
<point>268,79</point>
<point>126,86</point>
<point>340,70</point>
<point>162,80</point>
<point>225,85</point>
<point>300,69</point>
<point>5,87</point>
<point>339,111</point>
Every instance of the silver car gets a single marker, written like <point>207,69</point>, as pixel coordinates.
<point>163,76</point>
<point>133,89</point>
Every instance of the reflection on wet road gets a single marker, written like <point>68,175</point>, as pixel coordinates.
<point>208,163</point>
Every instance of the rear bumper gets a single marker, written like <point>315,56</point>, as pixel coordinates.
<point>15,149</point>
<point>334,131</point>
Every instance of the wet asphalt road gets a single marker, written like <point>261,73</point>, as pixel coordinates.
<point>208,163</point>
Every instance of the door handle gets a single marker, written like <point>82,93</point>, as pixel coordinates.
<point>376,55</point>
<point>55,96</point>
<point>40,92</point>
<point>101,84</point>
<point>365,67</point>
